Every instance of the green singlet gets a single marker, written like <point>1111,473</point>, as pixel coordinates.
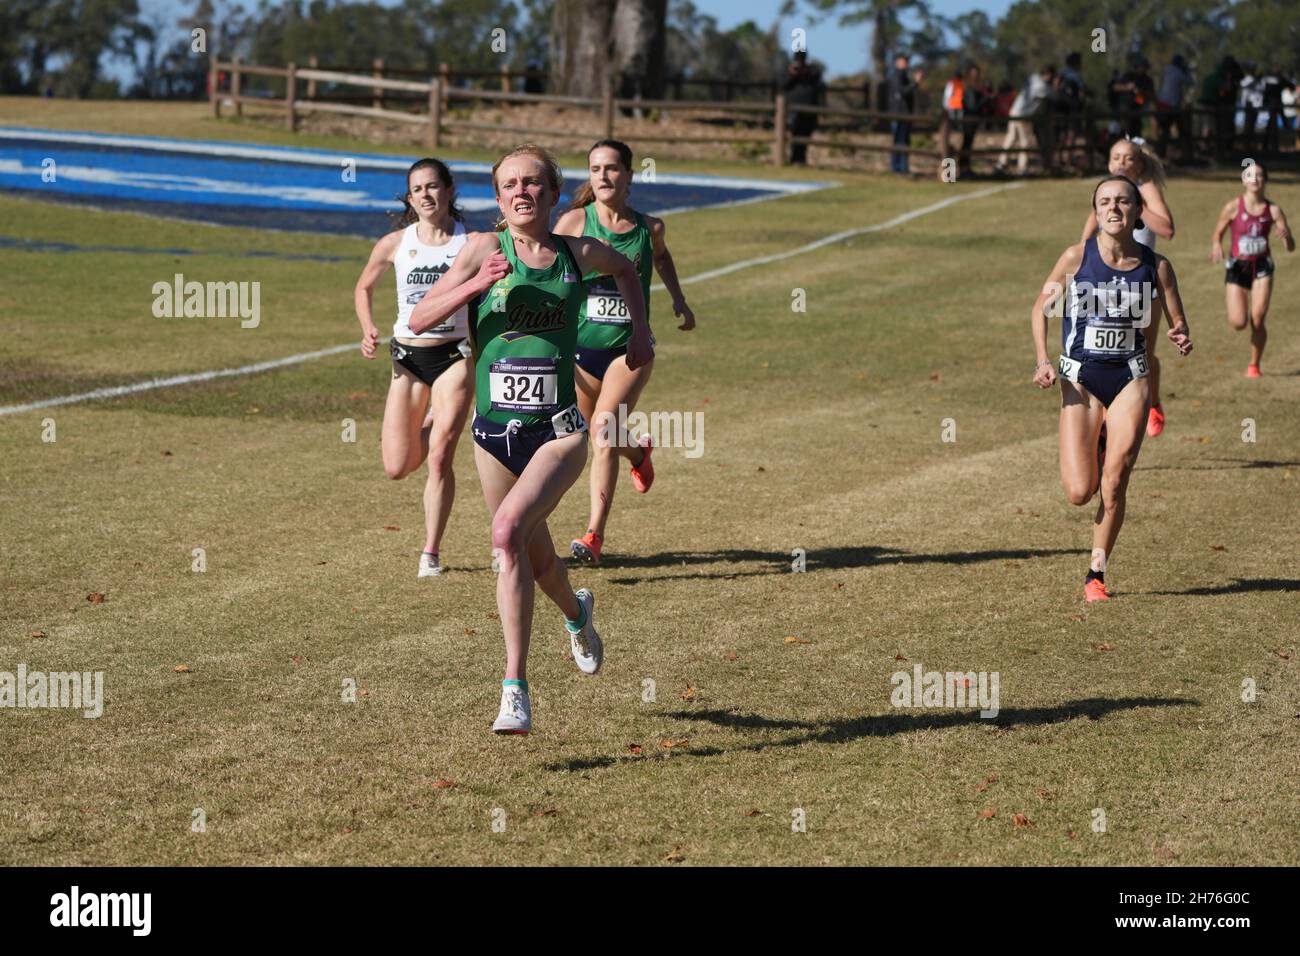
<point>606,323</point>
<point>524,334</point>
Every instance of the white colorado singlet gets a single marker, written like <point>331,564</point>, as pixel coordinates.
<point>418,266</point>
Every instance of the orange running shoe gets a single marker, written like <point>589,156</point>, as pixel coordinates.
<point>1252,371</point>
<point>643,475</point>
<point>587,548</point>
<point>1095,590</point>
<point>1156,420</point>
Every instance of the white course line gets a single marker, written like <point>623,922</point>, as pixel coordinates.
<point>179,380</point>
<point>337,349</point>
<point>839,236</point>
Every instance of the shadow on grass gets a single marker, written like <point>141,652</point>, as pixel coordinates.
<point>1229,464</point>
<point>1238,586</point>
<point>849,729</point>
<point>817,559</point>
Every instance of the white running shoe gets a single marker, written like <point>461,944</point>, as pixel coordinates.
<point>430,567</point>
<point>516,715</point>
<point>588,651</point>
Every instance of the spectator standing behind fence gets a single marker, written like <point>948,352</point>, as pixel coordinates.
<point>1071,95</point>
<point>1290,97</point>
<point>1250,100</point>
<point>803,87</point>
<point>976,101</point>
<point>1175,81</point>
<point>1271,93</point>
<point>902,99</point>
<point>1136,91</point>
<point>1030,104</point>
<point>1219,93</point>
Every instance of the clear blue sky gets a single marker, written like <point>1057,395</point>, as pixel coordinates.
<point>842,49</point>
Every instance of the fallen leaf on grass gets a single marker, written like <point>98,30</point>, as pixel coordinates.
<point>441,784</point>
<point>469,632</point>
<point>791,639</point>
<point>1103,646</point>
<point>837,585</point>
<point>732,655</point>
<point>494,615</point>
<point>94,597</point>
<point>1204,439</point>
<point>38,633</point>
<point>688,693</point>
<point>1164,853</point>
<point>347,830</point>
<point>1021,821</point>
<point>354,396</point>
<point>1283,654</point>
<point>182,668</point>
<point>545,812</point>
<point>761,468</point>
<point>391,527</point>
<point>670,744</point>
<point>167,454</point>
<point>985,784</point>
<point>934,376</point>
<point>988,814</point>
<point>753,813</point>
<point>1043,793</point>
<point>899,657</point>
<point>634,748</point>
<point>1071,834</point>
<point>298,659</point>
<point>1077,617</point>
<point>676,856</point>
<point>1217,547</point>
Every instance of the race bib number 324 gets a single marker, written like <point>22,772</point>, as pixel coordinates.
<point>523,384</point>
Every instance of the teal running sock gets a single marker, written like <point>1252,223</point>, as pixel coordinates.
<point>577,625</point>
<point>511,682</point>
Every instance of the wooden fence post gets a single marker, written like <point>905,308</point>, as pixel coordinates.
<point>434,136</point>
<point>778,132</point>
<point>945,148</point>
<point>236,86</point>
<point>214,91</point>
<point>505,78</point>
<point>290,91</point>
<point>607,108</point>
<point>444,73</point>
<point>378,93</point>
<point>314,63</point>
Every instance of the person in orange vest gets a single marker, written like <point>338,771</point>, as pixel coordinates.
<point>952,101</point>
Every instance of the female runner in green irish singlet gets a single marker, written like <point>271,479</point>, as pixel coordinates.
<point>524,291</point>
<point>605,380</point>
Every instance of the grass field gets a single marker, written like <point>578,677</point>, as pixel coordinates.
<point>822,433</point>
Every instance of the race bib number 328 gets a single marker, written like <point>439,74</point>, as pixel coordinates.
<point>608,309</point>
<point>523,384</point>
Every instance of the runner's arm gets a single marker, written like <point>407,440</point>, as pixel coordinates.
<point>1283,230</point>
<point>381,257</point>
<point>1216,240</point>
<point>1155,212</point>
<point>1089,227</point>
<point>571,223</point>
<point>478,266</point>
<point>1053,291</point>
<point>1173,306</point>
<point>668,272</point>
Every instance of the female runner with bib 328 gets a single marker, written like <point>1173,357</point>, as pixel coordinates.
<point>523,285</point>
<point>429,368</point>
<point>1109,284</point>
<point>605,383</point>
<point>1248,280</point>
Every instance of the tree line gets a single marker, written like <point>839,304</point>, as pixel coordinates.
<point>61,47</point>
